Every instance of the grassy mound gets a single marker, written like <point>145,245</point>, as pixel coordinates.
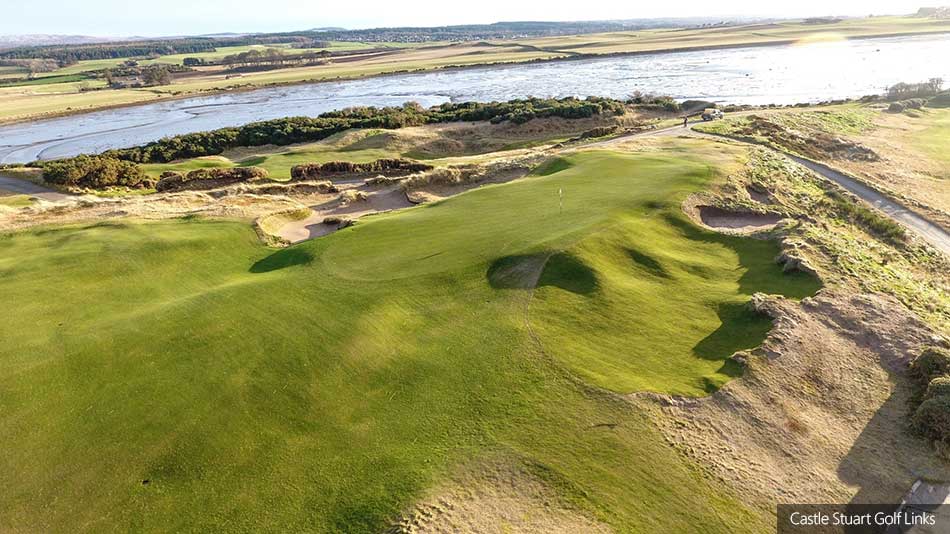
<point>178,376</point>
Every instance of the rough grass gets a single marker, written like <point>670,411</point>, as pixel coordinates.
<point>16,201</point>
<point>431,143</point>
<point>934,140</point>
<point>46,80</point>
<point>277,164</point>
<point>849,119</point>
<point>178,376</point>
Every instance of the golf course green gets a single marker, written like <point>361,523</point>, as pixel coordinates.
<point>178,375</point>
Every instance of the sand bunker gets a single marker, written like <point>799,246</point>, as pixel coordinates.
<point>719,218</point>
<point>500,496</point>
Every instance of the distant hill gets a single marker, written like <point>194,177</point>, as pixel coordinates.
<point>68,49</point>
<point>517,29</point>
<point>41,39</point>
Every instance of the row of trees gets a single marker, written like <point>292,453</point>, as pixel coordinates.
<point>903,91</point>
<point>120,167</point>
<point>148,76</point>
<point>69,54</point>
<point>272,57</point>
<point>307,129</point>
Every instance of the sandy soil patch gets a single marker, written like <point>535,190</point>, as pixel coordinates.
<point>499,497</point>
<point>332,215</point>
<point>821,414</point>
<point>156,206</point>
<point>356,200</point>
<point>719,218</point>
<point>728,221</point>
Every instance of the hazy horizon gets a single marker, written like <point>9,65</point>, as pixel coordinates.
<point>115,18</point>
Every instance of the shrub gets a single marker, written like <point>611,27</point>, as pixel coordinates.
<point>170,180</point>
<point>696,105</point>
<point>351,195</point>
<point>866,217</point>
<point>896,107</point>
<point>204,178</point>
<point>653,102</point>
<point>310,171</point>
<point>95,172</point>
<point>938,387</point>
<point>940,101</point>
<point>932,418</point>
<point>932,362</point>
<point>902,91</point>
<point>600,132</point>
<point>237,174</point>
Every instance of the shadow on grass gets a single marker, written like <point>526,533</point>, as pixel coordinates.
<point>647,262</point>
<point>740,328</point>
<point>551,166</point>
<point>558,269</point>
<point>282,259</point>
<point>761,273</point>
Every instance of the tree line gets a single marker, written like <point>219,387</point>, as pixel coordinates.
<point>292,130</point>
<point>272,57</point>
<point>120,167</point>
<point>70,54</point>
<point>902,91</point>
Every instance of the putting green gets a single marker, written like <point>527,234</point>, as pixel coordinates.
<point>177,375</point>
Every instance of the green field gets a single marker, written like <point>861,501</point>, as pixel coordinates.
<point>934,140</point>
<point>361,146</point>
<point>277,163</point>
<point>180,376</point>
<point>15,201</point>
<point>285,48</point>
<point>46,80</point>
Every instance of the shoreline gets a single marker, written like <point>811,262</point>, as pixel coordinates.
<point>575,57</point>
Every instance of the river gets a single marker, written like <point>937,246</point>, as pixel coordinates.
<point>784,74</point>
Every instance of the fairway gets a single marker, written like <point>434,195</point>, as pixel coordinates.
<point>178,375</point>
<point>933,140</point>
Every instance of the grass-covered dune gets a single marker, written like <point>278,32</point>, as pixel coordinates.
<point>179,376</point>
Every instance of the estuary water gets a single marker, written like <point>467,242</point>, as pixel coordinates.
<point>784,74</point>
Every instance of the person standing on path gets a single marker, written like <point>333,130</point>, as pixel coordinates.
<point>685,120</point>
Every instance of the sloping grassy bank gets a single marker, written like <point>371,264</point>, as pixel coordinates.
<point>178,376</point>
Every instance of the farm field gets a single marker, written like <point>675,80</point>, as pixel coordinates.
<point>329,384</point>
<point>674,39</point>
<point>416,57</point>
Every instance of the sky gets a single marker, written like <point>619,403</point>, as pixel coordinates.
<point>192,17</point>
